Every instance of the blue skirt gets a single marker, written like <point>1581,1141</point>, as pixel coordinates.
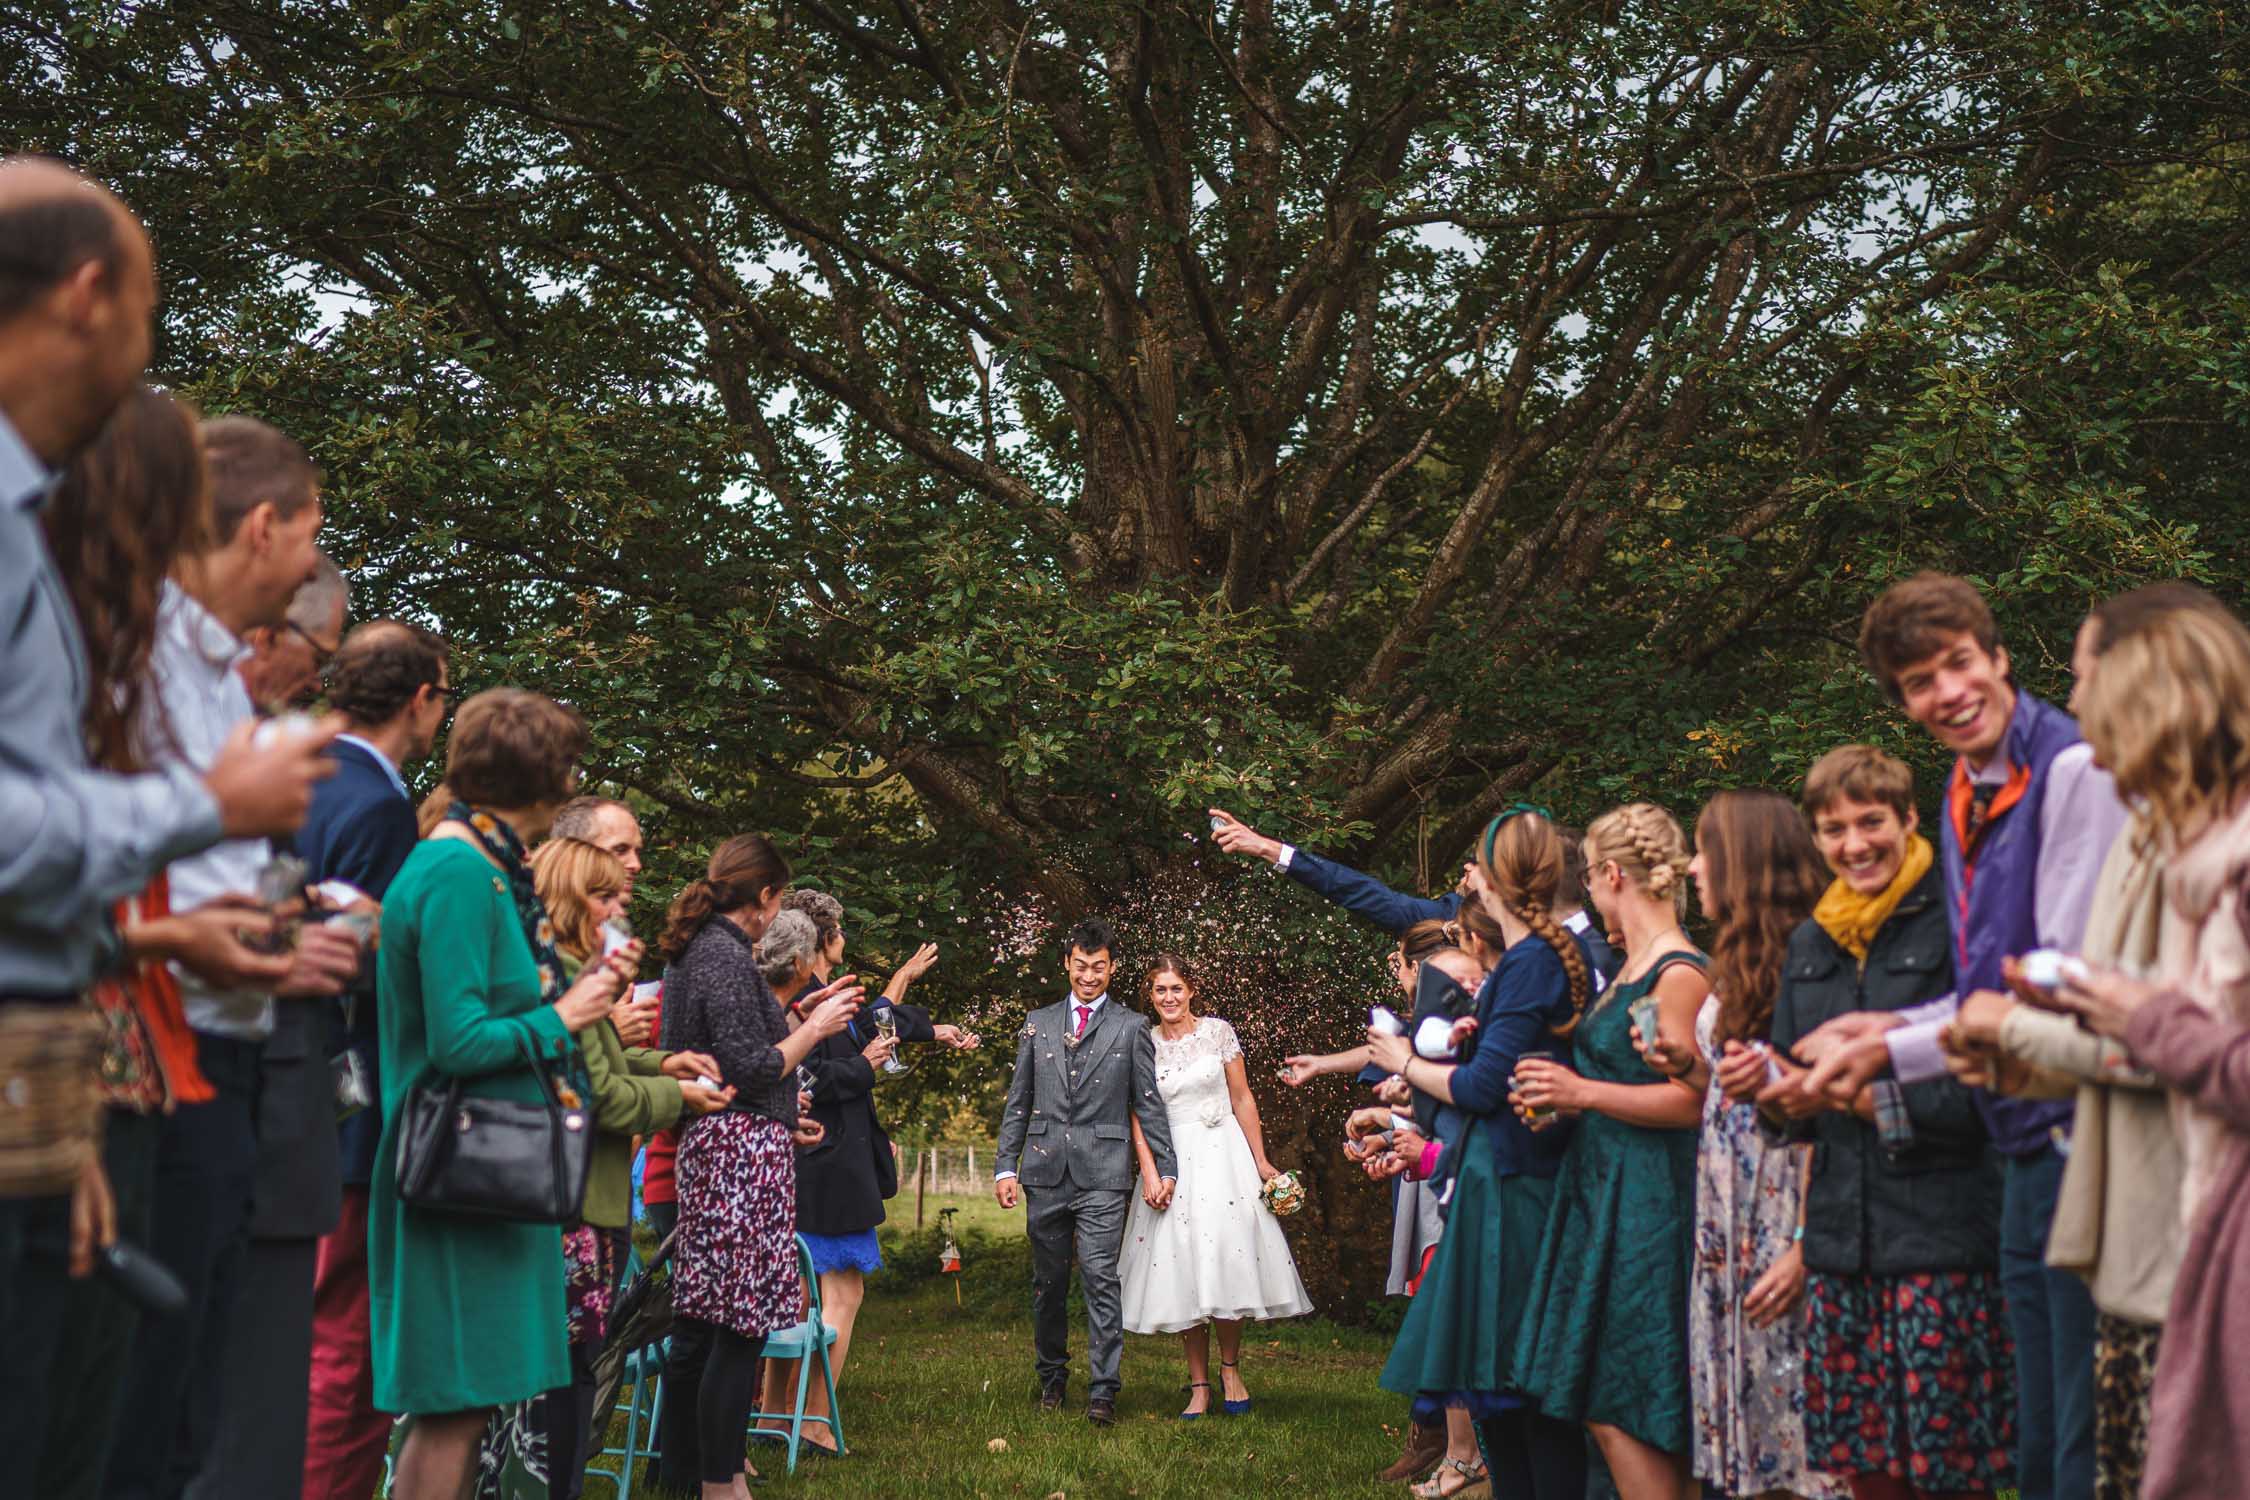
<point>844,1252</point>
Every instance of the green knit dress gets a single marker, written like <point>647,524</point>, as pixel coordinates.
<point>465,1313</point>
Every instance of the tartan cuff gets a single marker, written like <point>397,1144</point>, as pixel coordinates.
<point>1893,1126</point>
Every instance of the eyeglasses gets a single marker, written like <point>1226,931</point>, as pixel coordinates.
<point>322,654</point>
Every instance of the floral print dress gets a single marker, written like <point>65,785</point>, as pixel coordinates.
<point>1748,1383</point>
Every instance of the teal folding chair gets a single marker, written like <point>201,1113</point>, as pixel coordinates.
<point>641,1399</point>
<point>803,1343</point>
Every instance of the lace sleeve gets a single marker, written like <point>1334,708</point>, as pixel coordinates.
<point>1223,1035</point>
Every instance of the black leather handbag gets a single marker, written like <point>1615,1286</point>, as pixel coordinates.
<point>495,1158</point>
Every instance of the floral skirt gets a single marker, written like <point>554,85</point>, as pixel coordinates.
<point>590,1263</point>
<point>734,1263</point>
<point>1911,1376</point>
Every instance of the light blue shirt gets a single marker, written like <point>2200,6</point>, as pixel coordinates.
<point>77,840</point>
<point>380,759</point>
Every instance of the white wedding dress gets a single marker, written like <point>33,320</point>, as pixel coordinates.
<point>1217,1252</point>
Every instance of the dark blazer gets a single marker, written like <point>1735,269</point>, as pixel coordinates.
<point>359,829</point>
<point>1931,1204</point>
<point>1364,895</point>
<point>842,1182</point>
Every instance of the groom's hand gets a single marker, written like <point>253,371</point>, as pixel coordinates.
<point>1164,1191</point>
<point>1004,1192</point>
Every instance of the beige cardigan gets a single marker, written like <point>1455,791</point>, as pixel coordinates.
<point>2117,1215</point>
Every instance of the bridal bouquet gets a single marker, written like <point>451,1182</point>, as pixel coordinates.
<point>1283,1196</point>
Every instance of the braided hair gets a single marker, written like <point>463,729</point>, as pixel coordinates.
<point>1521,858</point>
<point>1645,842</point>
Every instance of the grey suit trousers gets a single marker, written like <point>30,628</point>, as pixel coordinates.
<point>1061,1220</point>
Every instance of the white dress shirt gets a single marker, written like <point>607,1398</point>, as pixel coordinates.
<point>193,667</point>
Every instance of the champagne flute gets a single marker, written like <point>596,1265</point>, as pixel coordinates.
<point>886,1027</point>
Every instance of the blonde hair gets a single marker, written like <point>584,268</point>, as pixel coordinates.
<point>2168,713</point>
<point>568,874</point>
<point>1645,842</point>
<point>1522,858</point>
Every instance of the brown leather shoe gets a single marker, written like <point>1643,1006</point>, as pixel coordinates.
<point>1424,1447</point>
<point>1051,1397</point>
<point>1102,1412</point>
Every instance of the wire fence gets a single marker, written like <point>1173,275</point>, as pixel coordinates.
<point>945,1167</point>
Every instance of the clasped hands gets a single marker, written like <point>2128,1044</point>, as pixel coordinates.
<point>1157,1192</point>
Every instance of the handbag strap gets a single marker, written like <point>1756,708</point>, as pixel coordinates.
<point>526,1048</point>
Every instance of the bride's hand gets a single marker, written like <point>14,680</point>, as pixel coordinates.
<point>1267,1171</point>
<point>1151,1191</point>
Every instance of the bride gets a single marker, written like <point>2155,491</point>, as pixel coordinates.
<point>1212,1251</point>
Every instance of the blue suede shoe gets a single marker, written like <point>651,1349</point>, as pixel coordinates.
<point>1189,1389</point>
<point>1234,1408</point>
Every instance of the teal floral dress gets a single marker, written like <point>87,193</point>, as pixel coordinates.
<point>1604,1334</point>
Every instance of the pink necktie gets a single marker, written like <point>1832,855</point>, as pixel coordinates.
<point>1080,1029</point>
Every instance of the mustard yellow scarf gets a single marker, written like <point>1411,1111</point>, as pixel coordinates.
<point>1853,919</point>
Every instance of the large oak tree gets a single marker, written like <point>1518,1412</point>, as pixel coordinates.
<point>972,437</point>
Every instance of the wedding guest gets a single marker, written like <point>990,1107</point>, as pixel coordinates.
<point>467,1312</point>
<point>607,824</point>
<point>287,661</point>
<point>390,685</point>
<point>76,296</point>
<point>1616,1251</point>
<point>2118,1208</point>
<point>843,1183</point>
<point>266,516</point>
<point>734,1276</point>
<point>258,1434</point>
<point>1416,1217</point>
<point>1213,1255</point>
<point>2028,820</point>
<point>1461,1330</point>
<point>126,510</point>
<point>2168,712</point>
<point>1394,911</point>
<point>634,1091</point>
<point>1757,876</point>
<point>1907,1352</point>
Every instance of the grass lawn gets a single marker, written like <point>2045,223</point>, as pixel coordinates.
<point>932,1384</point>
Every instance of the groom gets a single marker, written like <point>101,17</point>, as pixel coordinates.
<point>1083,1068</point>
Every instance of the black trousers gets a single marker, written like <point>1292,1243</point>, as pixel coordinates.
<point>1534,1457</point>
<point>206,1169</point>
<point>679,1461</point>
<point>678,1454</point>
<point>258,1449</point>
<point>57,1418</point>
